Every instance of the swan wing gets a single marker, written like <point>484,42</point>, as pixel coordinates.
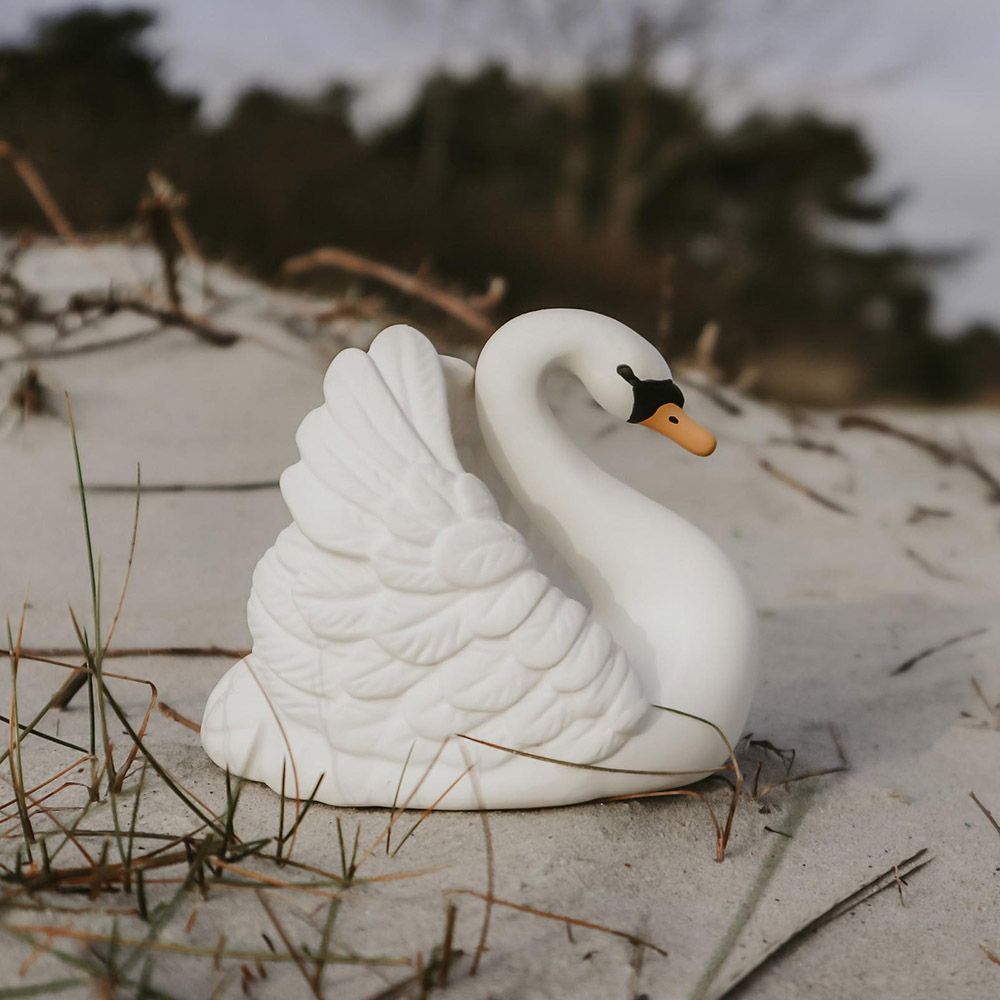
<point>400,607</point>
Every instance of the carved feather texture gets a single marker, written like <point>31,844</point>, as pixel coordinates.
<point>400,607</point>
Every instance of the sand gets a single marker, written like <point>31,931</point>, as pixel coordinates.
<point>894,554</point>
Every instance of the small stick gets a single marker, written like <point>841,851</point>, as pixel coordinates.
<point>931,650</point>
<point>137,652</point>
<point>449,937</point>
<point>490,878</point>
<point>994,710</point>
<point>900,882</point>
<point>927,566</point>
<point>799,486</point>
<point>39,190</point>
<point>175,716</point>
<point>287,941</point>
<point>261,484</point>
<point>985,811</point>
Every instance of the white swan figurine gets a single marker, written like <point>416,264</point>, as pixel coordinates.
<point>401,618</point>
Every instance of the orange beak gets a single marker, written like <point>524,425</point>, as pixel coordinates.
<point>672,422</point>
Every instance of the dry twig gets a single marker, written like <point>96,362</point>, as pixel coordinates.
<point>175,716</point>
<point>800,487</point>
<point>985,812</point>
<point>931,650</point>
<point>39,190</point>
<point>410,284</point>
<point>886,880</point>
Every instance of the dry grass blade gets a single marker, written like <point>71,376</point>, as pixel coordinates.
<point>288,747</point>
<point>409,284</point>
<point>395,797</point>
<point>449,937</point>
<point>792,779</point>
<point>271,882</point>
<point>172,784</point>
<point>286,940</point>
<point>65,770</point>
<point>881,882</point>
<point>431,808</point>
<point>992,710</point>
<point>94,656</point>
<point>14,738</point>
<point>985,812</point>
<point>247,487</point>
<point>723,831</point>
<point>393,817</point>
<point>40,655</point>
<point>48,737</point>
<point>301,811</point>
<point>484,930</point>
<point>572,763</point>
<point>137,489</point>
<point>47,989</point>
<point>562,919</point>
<point>721,838</point>
<point>198,951</point>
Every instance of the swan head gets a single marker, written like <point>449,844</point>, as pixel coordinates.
<point>629,378</point>
<point>659,405</point>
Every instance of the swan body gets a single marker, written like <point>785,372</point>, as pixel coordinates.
<point>407,636</point>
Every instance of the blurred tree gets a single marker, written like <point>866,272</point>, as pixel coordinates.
<point>89,105</point>
<point>577,195</point>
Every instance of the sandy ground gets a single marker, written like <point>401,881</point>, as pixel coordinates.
<point>903,558</point>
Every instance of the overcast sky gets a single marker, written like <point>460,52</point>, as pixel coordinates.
<point>923,76</point>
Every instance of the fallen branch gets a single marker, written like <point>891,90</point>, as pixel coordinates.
<point>409,284</point>
<point>942,453</point>
<point>106,305</point>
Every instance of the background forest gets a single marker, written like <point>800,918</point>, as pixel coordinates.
<point>616,193</point>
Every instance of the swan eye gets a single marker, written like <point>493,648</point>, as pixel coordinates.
<point>673,419</point>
